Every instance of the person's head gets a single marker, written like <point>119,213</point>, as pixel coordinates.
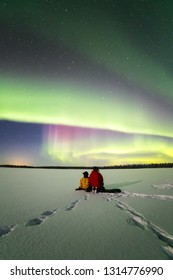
<point>85,174</point>
<point>95,168</point>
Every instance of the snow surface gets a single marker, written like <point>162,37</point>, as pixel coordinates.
<point>43,217</point>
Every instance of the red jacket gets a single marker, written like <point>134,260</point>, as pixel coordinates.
<point>96,179</point>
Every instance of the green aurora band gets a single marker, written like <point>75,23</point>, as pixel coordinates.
<point>34,102</point>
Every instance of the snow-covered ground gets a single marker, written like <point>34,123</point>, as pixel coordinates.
<point>43,217</point>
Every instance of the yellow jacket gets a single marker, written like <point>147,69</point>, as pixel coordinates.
<point>84,183</point>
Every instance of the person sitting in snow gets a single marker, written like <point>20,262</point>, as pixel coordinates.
<point>84,182</point>
<point>96,181</point>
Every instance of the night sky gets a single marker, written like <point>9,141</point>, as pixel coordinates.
<point>86,82</point>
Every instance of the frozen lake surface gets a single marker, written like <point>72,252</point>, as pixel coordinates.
<point>43,217</point>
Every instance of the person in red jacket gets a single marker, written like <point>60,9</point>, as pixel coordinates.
<point>96,181</point>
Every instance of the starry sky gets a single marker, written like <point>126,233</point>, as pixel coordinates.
<point>86,82</point>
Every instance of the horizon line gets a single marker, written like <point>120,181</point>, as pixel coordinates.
<point>119,166</point>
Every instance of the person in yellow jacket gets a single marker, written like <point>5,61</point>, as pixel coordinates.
<point>84,182</point>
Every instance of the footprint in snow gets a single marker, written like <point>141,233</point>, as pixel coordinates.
<point>72,205</point>
<point>44,216</point>
<point>4,230</point>
<point>86,196</point>
<point>139,220</point>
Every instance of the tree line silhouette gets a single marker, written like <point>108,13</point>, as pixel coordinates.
<point>125,166</point>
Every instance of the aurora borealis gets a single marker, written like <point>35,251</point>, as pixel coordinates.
<point>86,82</point>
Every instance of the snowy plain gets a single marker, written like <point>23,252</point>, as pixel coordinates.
<point>42,217</point>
